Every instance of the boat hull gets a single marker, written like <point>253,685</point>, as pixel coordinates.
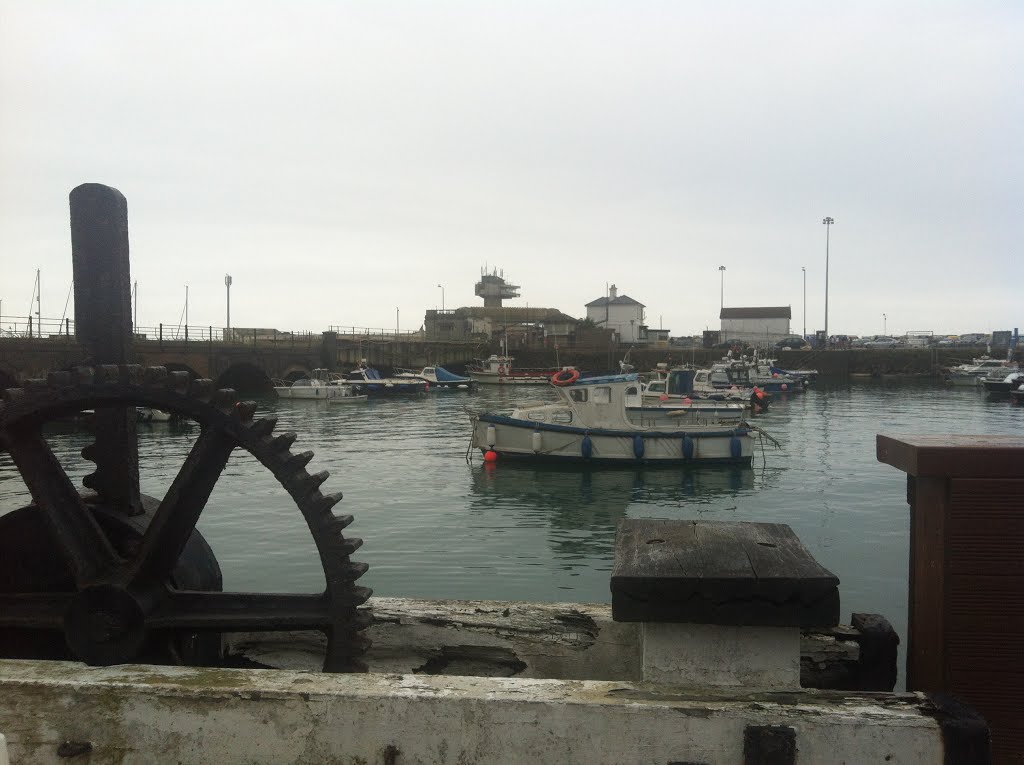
<point>355,398</point>
<point>306,392</point>
<point>493,378</point>
<point>542,442</point>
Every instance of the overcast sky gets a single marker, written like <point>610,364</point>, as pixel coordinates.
<point>340,160</point>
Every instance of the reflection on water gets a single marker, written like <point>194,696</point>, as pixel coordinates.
<point>437,526</point>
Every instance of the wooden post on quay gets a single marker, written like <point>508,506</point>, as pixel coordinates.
<point>966,613</point>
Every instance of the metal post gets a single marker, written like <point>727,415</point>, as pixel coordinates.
<point>804,269</point>
<point>721,270</point>
<point>103,324</point>
<point>227,283</point>
<point>161,336</point>
<point>828,225</point>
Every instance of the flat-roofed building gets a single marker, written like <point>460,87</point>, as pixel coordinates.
<point>756,325</point>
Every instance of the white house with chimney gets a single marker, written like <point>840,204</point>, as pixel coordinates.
<point>620,313</point>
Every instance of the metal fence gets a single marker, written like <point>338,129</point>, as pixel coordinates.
<point>41,328</point>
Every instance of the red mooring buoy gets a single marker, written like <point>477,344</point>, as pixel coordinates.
<point>490,456</point>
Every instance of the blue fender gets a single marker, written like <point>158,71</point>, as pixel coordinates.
<point>586,447</point>
<point>688,447</point>
<point>735,447</point>
<point>638,447</point>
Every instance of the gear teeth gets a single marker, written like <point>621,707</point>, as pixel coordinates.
<point>178,382</point>
<point>360,621</point>
<point>84,375</point>
<point>225,399</point>
<point>346,546</point>
<point>89,452</point>
<point>299,461</point>
<point>264,426</point>
<point>108,374</point>
<point>201,388</point>
<point>132,374</point>
<point>339,523</point>
<point>155,376</point>
<point>14,395</point>
<point>284,441</point>
<point>325,502</point>
<point>355,569</point>
<point>89,481</point>
<point>355,596</point>
<point>59,379</point>
<point>310,483</point>
<point>244,411</point>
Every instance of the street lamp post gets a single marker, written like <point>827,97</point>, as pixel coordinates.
<point>721,306</point>
<point>885,320</point>
<point>828,226</point>
<point>227,283</point>
<point>804,269</point>
<point>442,297</point>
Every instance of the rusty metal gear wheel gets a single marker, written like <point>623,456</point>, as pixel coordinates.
<point>121,583</point>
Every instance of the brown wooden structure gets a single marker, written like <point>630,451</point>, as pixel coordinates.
<point>966,615</point>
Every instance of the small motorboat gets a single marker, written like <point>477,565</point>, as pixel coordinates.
<point>343,393</point>
<point>315,387</point>
<point>149,415</point>
<point>374,384</point>
<point>439,378</point>
<point>1001,384</point>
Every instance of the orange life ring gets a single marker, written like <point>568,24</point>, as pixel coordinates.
<point>565,377</point>
<point>501,370</point>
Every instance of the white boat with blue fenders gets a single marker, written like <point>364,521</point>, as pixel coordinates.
<point>597,422</point>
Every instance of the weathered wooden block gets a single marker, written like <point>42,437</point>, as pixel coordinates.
<point>713,572</point>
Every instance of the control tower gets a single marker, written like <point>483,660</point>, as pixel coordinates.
<point>493,288</point>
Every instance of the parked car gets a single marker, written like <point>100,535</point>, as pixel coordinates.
<point>732,345</point>
<point>882,342</point>
<point>793,342</point>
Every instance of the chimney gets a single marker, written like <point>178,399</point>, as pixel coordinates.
<point>612,293</point>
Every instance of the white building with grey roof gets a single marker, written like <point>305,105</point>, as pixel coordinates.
<point>620,313</point>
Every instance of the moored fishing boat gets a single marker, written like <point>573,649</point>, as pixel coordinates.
<point>345,393</point>
<point>593,424</point>
<point>499,370</point>
<point>373,383</point>
<point>439,378</point>
<point>1003,383</point>
<point>970,375</point>
<point>314,387</point>
<point>702,388</point>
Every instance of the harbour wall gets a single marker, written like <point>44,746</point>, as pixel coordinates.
<point>833,364</point>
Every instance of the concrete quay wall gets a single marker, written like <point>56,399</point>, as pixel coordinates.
<point>53,711</point>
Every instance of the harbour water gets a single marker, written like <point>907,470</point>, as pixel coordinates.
<point>437,526</point>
